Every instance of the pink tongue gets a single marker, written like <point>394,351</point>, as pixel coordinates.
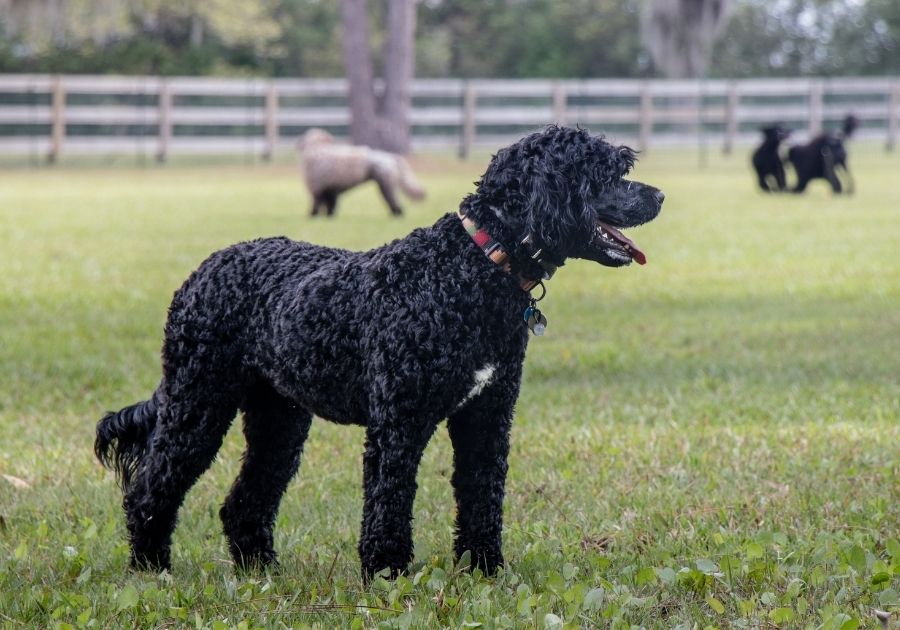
<point>636,254</point>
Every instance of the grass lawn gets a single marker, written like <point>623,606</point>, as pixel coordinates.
<point>710,440</point>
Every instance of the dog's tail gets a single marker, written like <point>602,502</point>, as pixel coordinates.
<point>123,437</point>
<point>408,182</point>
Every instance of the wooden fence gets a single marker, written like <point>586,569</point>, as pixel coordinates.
<point>47,116</point>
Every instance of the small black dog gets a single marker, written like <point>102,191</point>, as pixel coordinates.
<point>767,161</point>
<point>823,158</point>
<point>398,338</point>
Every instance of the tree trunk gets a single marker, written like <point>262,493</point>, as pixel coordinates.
<point>385,127</point>
<point>358,62</point>
<point>196,36</point>
<point>679,34</point>
<point>398,72</point>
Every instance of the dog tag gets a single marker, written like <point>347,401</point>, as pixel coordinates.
<point>536,321</point>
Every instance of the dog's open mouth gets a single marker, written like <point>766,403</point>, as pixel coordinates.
<point>612,237</point>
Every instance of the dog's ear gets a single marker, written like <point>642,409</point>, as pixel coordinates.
<point>627,157</point>
<point>552,212</point>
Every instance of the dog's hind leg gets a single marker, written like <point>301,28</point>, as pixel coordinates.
<point>780,178</point>
<point>830,172</point>
<point>316,203</point>
<point>480,436</point>
<point>275,429</point>
<point>387,191</point>
<point>191,424</point>
<point>330,198</point>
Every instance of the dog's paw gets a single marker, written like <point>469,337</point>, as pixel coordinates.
<point>389,552</point>
<point>369,572</point>
<point>487,558</point>
<point>153,561</point>
<point>487,561</point>
<point>257,562</point>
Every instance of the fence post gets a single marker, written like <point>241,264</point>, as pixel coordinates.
<point>731,121</point>
<point>645,123</point>
<point>470,102</point>
<point>58,120</point>
<point>559,102</point>
<point>271,121</point>
<point>893,104</point>
<point>815,107</point>
<point>165,121</point>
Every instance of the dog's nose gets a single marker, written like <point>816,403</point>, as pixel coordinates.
<point>660,195</point>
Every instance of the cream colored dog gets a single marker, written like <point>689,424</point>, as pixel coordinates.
<point>331,168</point>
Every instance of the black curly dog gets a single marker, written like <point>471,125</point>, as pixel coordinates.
<point>824,157</point>
<point>767,161</point>
<point>396,339</point>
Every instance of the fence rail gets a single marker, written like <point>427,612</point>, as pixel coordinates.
<point>52,115</point>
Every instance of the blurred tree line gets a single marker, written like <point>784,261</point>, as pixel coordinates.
<point>454,38</point>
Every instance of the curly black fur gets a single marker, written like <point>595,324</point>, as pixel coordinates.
<point>767,161</point>
<point>397,339</point>
<point>824,157</point>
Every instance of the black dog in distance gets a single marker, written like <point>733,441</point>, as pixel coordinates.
<point>767,160</point>
<point>825,157</point>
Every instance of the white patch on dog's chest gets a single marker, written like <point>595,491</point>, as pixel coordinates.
<point>482,378</point>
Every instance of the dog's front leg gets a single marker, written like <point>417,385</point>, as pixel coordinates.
<point>480,435</point>
<point>780,178</point>
<point>390,462</point>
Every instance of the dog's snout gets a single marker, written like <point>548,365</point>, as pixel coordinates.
<point>660,196</point>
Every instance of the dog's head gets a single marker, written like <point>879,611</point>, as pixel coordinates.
<point>833,149</point>
<point>314,137</point>
<point>850,124</point>
<point>776,133</point>
<point>563,191</point>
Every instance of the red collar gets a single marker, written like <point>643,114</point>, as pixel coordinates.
<point>494,250</point>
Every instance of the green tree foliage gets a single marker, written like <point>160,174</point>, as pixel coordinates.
<point>309,42</point>
<point>810,37</point>
<point>156,36</point>
<point>529,38</point>
<point>455,38</point>
<point>680,33</point>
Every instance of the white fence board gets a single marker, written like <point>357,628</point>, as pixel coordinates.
<point>514,116</point>
<point>74,84</point>
<point>312,117</point>
<point>25,82</point>
<point>40,114</point>
<point>604,87</point>
<point>228,116</point>
<point>196,86</point>
<point>136,113</point>
<point>111,115</point>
